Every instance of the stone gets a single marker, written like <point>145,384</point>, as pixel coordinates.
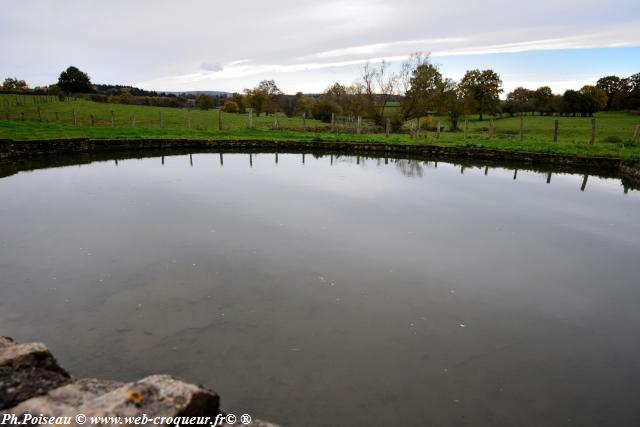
<point>26,371</point>
<point>156,395</point>
<point>29,355</point>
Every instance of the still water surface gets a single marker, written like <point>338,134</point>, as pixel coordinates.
<point>341,291</point>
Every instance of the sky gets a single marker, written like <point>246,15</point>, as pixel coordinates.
<point>306,46</point>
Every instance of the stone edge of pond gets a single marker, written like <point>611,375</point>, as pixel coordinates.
<point>32,382</point>
<point>21,148</point>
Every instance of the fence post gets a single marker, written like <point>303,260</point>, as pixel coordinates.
<point>466,127</point>
<point>39,114</point>
<point>113,119</point>
<point>491,129</point>
<point>22,116</point>
<point>161,120</point>
<point>333,122</point>
<point>359,125</point>
<point>304,121</point>
<point>593,131</point>
<point>133,121</point>
<point>276,123</point>
<point>555,131</point>
<point>220,119</point>
<point>75,117</point>
<point>57,117</point>
<point>189,119</point>
<point>387,129</point>
<point>634,139</point>
<point>93,122</point>
<point>250,118</point>
<point>521,128</point>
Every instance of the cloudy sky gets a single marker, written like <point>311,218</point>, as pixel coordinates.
<point>231,45</point>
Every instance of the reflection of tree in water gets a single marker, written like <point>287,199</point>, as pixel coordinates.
<point>410,168</point>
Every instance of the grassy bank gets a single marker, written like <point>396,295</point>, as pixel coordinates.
<point>33,130</point>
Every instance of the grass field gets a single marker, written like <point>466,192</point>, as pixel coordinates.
<point>614,130</point>
<point>145,116</point>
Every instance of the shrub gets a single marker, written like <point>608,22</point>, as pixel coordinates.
<point>230,107</point>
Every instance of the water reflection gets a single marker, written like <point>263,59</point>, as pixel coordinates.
<point>421,291</point>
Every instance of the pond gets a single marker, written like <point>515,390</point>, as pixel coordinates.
<point>333,290</point>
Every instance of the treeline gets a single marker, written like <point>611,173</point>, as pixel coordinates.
<point>380,95</point>
<point>610,93</point>
<point>76,83</point>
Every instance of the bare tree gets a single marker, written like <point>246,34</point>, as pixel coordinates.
<point>380,84</point>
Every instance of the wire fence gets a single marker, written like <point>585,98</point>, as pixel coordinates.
<point>52,109</point>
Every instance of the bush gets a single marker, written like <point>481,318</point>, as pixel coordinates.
<point>230,107</point>
<point>323,109</point>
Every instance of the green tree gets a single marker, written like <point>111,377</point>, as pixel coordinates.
<point>519,100</point>
<point>543,100</point>
<point>593,100</point>
<point>422,95</point>
<point>14,84</point>
<point>611,85</point>
<point>451,101</point>
<point>481,90</point>
<point>72,80</point>
<point>203,101</point>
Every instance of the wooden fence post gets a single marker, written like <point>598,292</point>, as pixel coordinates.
<point>276,123</point>
<point>220,119</point>
<point>93,122</point>
<point>417,135</point>
<point>438,130</point>
<point>359,125</point>
<point>250,118</point>
<point>491,129</point>
<point>555,131</point>
<point>113,119</point>
<point>133,121</point>
<point>189,119</point>
<point>387,129</point>
<point>634,138</point>
<point>592,139</point>
<point>39,114</point>
<point>22,116</point>
<point>333,122</point>
<point>75,117</point>
<point>466,127</point>
<point>521,128</point>
<point>304,121</point>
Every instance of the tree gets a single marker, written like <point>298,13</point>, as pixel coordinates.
<point>379,85</point>
<point>14,84</point>
<point>593,99</point>
<point>543,100</point>
<point>629,96</point>
<point>451,100</point>
<point>230,106</point>
<point>72,80</point>
<point>571,101</point>
<point>204,101</point>
<point>422,95</point>
<point>481,90</point>
<point>519,100</point>
<point>611,85</point>
<point>263,98</point>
